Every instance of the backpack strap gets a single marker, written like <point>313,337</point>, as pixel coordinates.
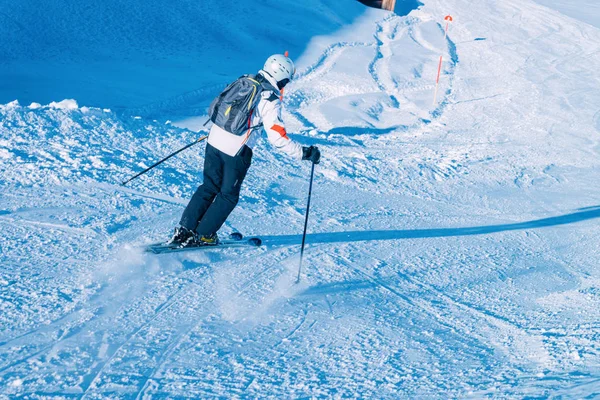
<point>272,97</point>
<point>266,85</point>
<point>257,80</point>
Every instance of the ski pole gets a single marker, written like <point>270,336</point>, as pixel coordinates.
<point>164,159</point>
<point>312,173</point>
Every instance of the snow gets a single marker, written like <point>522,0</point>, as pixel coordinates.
<point>16,383</point>
<point>143,57</point>
<point>587,11</point>
<point>452,248</point>
<point>67,104</point>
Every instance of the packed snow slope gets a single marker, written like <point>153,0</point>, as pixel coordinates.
<point>146,54</point>
<point>452,249</point>
<point>587,11</point>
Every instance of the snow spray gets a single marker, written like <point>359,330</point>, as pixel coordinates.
<point>448,19</point>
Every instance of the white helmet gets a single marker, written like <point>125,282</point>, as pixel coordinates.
<point>281,68</point>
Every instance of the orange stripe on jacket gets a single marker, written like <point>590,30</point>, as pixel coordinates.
<point>281,130</point>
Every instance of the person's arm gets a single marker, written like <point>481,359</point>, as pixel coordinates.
<point>269,109</point>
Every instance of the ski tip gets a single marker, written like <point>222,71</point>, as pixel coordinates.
<point>236,236</point>
<point>151,250</point>
<point>255,241</point>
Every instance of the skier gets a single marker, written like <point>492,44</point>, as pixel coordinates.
<point>245,105</point>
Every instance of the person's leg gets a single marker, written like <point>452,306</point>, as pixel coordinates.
<point>234,172</point>
<point>205,194</point>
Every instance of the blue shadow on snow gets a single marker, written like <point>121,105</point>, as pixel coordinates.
<point>357,130</point>
<point>338,287</point>
<point>362,236</point>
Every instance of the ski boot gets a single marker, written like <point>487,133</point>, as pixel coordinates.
<point>209,240</point>
<point>183,237</point>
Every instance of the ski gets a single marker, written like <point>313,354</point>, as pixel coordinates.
<point>236,239</point>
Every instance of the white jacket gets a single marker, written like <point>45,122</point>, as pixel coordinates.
<point>267,112</point>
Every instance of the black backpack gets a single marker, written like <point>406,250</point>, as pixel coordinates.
<point>232,110</point>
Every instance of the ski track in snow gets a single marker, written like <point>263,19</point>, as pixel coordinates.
<point>506,313</point>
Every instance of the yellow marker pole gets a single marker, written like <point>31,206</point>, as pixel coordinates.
<point>448,19</point>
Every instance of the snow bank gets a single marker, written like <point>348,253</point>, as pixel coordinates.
<point>9,106</point>
<point>67,104</point>
<point>138,53</point>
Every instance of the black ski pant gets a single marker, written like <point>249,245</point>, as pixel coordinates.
<point>218,195</point>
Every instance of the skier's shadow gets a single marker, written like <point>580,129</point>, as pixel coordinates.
<point>583,214</point>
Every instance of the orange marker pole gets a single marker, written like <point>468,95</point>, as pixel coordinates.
<point>448,19</point>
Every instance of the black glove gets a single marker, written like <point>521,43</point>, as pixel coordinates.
<point>311,153</point>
